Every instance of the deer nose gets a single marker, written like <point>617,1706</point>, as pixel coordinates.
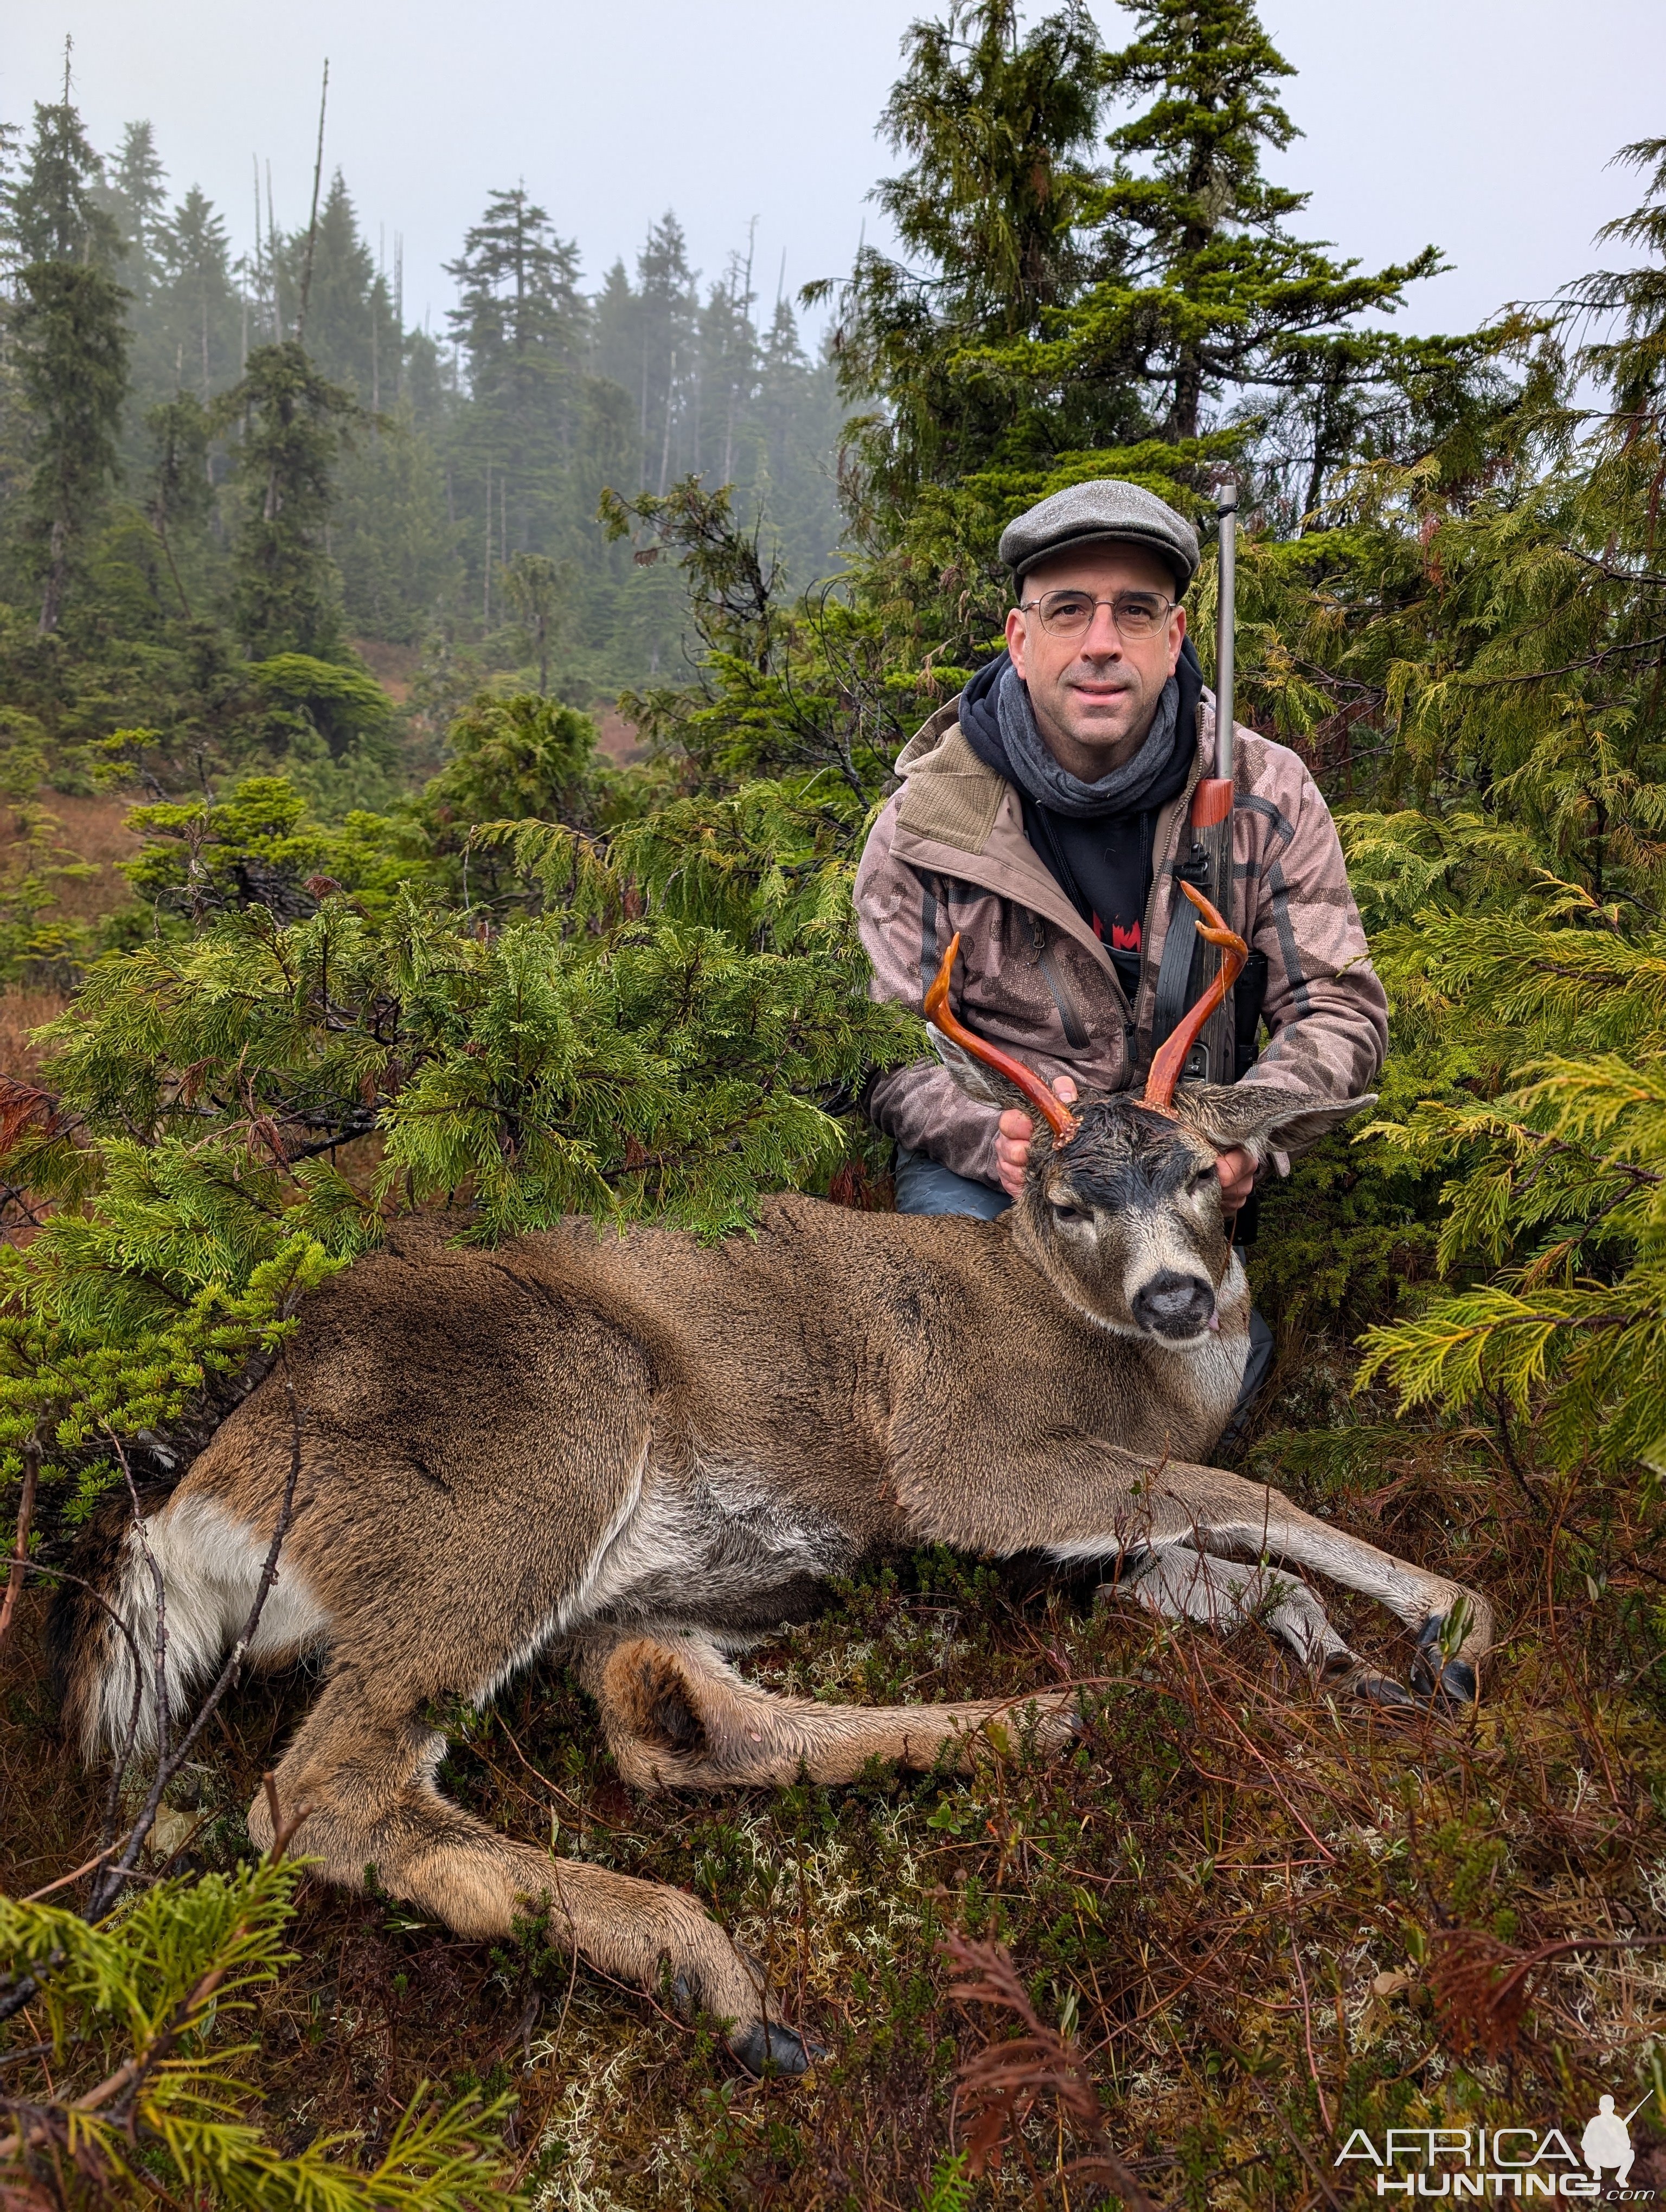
<point>1172,1304</point>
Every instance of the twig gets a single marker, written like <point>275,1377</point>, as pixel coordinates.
<point>143,1542</point>
<point>36,1896</point>
<point>1307,2028</point>
<point>21,1551</point>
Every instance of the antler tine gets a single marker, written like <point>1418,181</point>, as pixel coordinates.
<point>1059,1118</point>
<point>1172,1057</point>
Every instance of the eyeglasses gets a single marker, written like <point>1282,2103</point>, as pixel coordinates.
<point>1068,614</point>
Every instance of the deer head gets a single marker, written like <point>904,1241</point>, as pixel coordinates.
<point>1122,1207</point>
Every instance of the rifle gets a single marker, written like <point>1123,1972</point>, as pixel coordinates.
<point>1189,962</point>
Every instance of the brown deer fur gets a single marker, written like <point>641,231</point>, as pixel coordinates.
<point>649,1450</point>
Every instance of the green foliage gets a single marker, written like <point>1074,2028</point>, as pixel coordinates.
<point>344,705</point>
<point>71,349</point>
<point>137,2009</point>
<point>1516,908</point>
<point>292,424</point>
<point>37,945</point>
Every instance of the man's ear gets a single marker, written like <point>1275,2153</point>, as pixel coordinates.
<point>976,1080</point>
<point>1258,1116</point>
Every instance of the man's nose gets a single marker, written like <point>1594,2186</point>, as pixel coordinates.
<point>1104,641</point>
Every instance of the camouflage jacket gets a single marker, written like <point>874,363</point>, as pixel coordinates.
<point>949,852</point>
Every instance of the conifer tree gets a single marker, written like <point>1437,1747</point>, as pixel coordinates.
<point>135,195</point>
<point>352,333</point>
<point>1208,294</point>
<point>1000,124</point>
<point>71,345</point>
<point>1490,620</point>
<point>669,318</point>
<point>522,324</point>
<point>293,423</point>
<point>180,492</point>
<point>535,586</point>
<point>189,329</point>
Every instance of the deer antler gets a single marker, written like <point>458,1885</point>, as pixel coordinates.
<point>1166,1068</point>
<point>1059,1118</point>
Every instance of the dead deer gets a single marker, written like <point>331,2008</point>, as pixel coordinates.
<point>648,1451</point>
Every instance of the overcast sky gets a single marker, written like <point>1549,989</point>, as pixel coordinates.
<point>1483,126</point>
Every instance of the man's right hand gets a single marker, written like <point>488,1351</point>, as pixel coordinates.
<point>1012,1145</point>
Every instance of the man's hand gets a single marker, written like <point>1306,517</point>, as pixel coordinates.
<point>1012,1145</point>
<point>1236,1169</point>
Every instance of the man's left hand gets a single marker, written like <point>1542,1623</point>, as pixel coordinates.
<point>1237,1170</point>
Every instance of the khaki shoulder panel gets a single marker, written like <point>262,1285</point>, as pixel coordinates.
<point>952,796</point>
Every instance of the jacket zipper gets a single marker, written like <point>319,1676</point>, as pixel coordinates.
<point>1069,1015</point>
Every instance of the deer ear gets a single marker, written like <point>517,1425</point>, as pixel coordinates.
<point>1257,1116</point>
<point>977,1078</point>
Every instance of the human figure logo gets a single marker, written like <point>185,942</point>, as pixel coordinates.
<point>1608,2141</point>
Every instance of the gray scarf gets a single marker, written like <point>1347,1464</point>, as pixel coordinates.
<point>1124,791</point>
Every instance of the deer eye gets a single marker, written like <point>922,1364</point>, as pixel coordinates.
<point>1065,1210</point>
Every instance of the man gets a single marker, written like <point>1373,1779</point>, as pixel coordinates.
<point>1043,814</point>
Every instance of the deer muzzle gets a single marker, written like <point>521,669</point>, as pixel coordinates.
<point>1175,1305</point>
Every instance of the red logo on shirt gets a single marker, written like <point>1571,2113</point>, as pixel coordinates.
<point>1125,940</point>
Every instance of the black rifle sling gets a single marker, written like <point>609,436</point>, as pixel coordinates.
<point>1177,986</point>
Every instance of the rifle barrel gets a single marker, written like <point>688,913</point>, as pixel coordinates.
<point>1225,625</point>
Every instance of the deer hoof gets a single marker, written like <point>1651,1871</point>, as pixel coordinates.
<point>1382,1691</point>
<point>1454,1682</point>
<point>767,2048</point>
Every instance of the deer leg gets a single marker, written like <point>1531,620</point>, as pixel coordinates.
<point>1221,1513</point>
<point>1085,1500</point>
<point>1178,1583</point>
<point>367,1781</point>
<point>677,1715</point>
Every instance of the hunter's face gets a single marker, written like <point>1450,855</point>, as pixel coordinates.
<point>1095,690</point>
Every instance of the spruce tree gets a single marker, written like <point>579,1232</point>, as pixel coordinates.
<point>521,322</point>
<point>134,196</point>
<point>292,424</point>
<point>180,492</point>
<point>71,346</point>
<point>669,311</point>
<point>1000,123</point>
<point>189,329</point>
<point>1204,300</point>
<point>351,332</point>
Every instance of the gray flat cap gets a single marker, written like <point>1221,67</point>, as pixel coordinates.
<point>1089,514</point>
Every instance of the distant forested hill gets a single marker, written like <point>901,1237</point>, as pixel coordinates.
<point>466,450</point>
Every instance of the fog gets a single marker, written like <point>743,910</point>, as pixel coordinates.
<point>1481,125</point>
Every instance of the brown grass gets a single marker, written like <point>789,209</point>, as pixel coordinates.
<point>92,830</point>
<point>393,667</point>
<point>620,739</point>
<point>21,1012</point>
<point>95,830</point>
